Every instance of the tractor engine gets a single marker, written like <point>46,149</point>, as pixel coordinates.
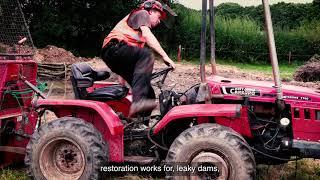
<point>270,135</point>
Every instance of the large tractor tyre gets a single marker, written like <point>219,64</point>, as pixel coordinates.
<point>66,148</point>
<point>223,152</point>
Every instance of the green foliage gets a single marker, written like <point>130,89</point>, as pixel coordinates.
<point>302,169</point>
<point>236,36</point>
<point>12,175</point>
<point>74,24</point>
<point>230,10</point>
<point>310,31</point>
<point>81,25</point>
<point>285,15</point>
<point>240,32</point>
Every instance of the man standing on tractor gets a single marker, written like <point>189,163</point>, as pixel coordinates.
<point>124,52</point>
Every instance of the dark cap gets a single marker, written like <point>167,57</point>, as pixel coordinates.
<point>162,8</point>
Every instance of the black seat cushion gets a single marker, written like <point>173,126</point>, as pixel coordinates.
<point>114,92</point>
<point>84,76</point>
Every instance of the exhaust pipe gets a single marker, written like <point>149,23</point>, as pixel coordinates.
<point>204,94</point>
<point>272,50</point>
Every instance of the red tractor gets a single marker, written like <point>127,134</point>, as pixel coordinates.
<point>223,123</point>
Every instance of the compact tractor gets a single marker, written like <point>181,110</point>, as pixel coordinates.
<point>224,123</point>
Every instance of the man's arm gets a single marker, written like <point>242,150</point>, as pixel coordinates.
<point>152,42</point>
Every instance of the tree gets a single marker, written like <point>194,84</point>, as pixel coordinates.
<point>74,24</point>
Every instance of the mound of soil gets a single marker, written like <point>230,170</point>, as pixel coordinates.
<point>185,75</point>
<point>310,71</point>
<point>3,48</point>
<point>53,54</point>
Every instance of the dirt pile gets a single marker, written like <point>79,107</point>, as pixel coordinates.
<point>16,49</point>
<point>3,48</point>
<point>310,71</point>
<point>185,75</point>
<point>54,62</point>
<point>53,54</point>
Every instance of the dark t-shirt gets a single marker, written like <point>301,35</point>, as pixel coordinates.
<point>138,19</point>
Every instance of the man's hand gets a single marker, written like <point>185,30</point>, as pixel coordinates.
<point>152,42</point>
<point>168,61</point>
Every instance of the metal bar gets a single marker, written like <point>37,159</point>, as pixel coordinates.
<point>35,89</point>
<point>307,148</point>
<point>26,25</point>
<point>203,42</point>
<point>18,150</point>
<point>272,49</point>
<point>213,38</point>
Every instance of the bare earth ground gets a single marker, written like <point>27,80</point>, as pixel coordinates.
<point>187,74</point>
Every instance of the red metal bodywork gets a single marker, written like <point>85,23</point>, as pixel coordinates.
<point>10,109</point>
<point>231,115</point>
<point>304,102</point>
<point>97,113</point>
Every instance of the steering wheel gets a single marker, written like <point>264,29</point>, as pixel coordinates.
<point>164,72</point>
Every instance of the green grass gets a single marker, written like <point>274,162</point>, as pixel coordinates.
<point>306,169</point>
<point>286,70</point>
<point>7,174</point>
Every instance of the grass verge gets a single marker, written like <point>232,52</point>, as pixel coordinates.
<point>286,70</point>
<point>9,174</point>
<point>304,169</point>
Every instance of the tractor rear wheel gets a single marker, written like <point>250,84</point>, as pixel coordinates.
<point>66,148</point>
<point>222,151</point>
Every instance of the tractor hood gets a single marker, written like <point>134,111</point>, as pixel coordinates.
<point>259,90</point>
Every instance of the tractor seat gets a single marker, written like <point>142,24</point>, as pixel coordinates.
<point>83,77</point>
<point>114,92</point>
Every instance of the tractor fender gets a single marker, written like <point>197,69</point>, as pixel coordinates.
<point>198,110</point>
<point>67,107</point>
<point>99,114</point>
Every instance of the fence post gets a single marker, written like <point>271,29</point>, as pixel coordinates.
<point>289,57</point>
<point>179,53</point>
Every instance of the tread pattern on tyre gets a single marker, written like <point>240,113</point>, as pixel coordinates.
<point>218,132</point>
<point>90,135</point>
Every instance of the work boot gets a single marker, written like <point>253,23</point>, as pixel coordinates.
<point>142,106</point>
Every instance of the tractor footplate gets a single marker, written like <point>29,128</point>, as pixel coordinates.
<point>143,160</point>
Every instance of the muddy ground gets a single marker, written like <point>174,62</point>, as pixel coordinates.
<point>183,77</point>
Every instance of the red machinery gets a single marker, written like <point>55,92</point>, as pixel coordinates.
<point>226,123</point>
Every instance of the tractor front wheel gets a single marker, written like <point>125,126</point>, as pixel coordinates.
<point>215,152</point>
<point>66,148</point>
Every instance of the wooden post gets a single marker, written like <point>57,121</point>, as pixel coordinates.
<point>179,53</point>
<point>289,57</point>
<point>212,38</point>
<point>203,42</point>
